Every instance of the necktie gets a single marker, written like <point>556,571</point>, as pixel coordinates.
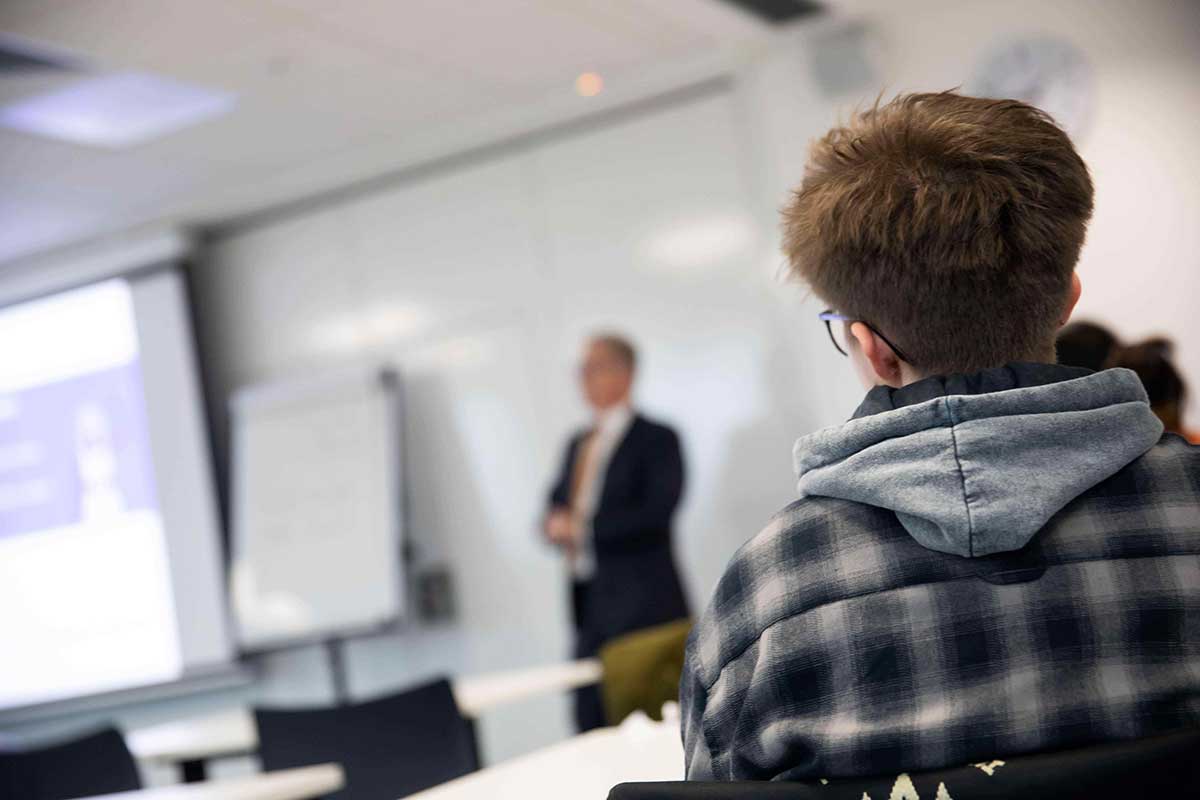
<point>581,478</point>
<point>581,470</point>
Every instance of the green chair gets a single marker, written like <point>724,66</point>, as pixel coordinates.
<point>642,670</point>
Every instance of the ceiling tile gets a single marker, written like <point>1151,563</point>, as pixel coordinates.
<point>318,82</point>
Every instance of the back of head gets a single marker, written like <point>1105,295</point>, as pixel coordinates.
<point>1151,360</point>
<point>951,223</point>
<point>1085,344</point>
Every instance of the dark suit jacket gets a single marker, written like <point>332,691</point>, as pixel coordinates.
<point>635,584</point>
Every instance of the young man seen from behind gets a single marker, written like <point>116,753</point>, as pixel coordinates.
<point>996,555</point>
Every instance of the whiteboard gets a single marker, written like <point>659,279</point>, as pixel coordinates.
<point>317,507</point>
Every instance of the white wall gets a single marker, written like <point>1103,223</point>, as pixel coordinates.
<point>481,283</point>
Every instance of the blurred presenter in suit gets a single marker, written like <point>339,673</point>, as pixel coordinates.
<point>610,512</point>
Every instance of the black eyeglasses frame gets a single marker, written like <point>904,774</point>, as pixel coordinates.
<point>829,316</point>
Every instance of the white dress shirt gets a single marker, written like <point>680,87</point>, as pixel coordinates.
<point>611,426</point>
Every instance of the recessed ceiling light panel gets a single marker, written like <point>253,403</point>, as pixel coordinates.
<point>116,110</point>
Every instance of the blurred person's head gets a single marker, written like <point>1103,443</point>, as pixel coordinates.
<point>1151,360</point>
<point>607,370</point>
<point>1085,344</point>
<point>950,225</point>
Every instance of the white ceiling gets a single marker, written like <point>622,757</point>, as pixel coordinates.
<point>329,93</point>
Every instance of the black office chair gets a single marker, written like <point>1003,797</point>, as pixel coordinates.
<point>389,747</point>
<point>1163,766</point>
<point>99,763</point>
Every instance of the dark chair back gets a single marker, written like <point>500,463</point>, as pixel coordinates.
<point>1163,766</point>
<point>389,747</point>
<point>99,763</point>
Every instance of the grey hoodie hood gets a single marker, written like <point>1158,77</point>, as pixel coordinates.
<point>975,465</point>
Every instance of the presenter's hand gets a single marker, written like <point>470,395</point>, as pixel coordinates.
<point>560,527</point>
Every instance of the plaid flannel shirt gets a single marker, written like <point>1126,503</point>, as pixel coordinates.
<point>835,645</point>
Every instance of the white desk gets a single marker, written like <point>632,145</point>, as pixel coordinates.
<point>232,732</point>
<point>582,768</point>
<point>476,694</point>
<point>225,733</point>
<point>285,784</point>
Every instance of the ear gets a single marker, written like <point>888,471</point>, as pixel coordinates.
<point>879,355</point>
<point>1072,298</point>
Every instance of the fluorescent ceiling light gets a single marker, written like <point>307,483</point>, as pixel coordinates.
<point>117,110</point>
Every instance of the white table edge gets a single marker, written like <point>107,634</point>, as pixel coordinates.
<point>231,732</point>
<point>299,783</point>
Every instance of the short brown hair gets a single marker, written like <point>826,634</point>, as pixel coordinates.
<point>950,223</point>
<point>619,346</point>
